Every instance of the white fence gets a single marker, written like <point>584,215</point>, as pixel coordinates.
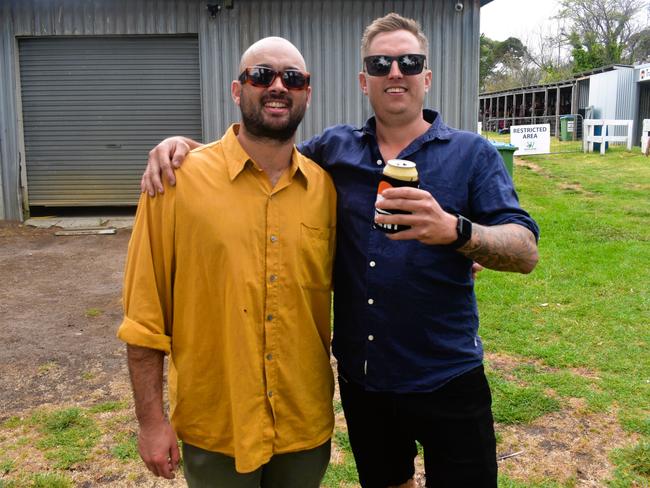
<point>603,138</point>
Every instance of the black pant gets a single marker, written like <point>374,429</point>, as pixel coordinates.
<point>454,424</point>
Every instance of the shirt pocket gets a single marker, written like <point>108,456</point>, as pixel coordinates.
<point>316,252</point>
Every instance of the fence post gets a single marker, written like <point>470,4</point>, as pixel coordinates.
<point>629,135</point>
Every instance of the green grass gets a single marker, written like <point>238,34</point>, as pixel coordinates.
<point>584,313</point>
<point>505,482</point>
<point>108,407</point>
<point>343,473</point>
<point>514,404</point>
<point>51,480</point>
<point>339,475</point>
<point>68,437</point>
<point>342,441</point>
<point>126,448</point>
<point>338,408</point>
<point>94,312</point>
<point>12,423</point>
<point>567,385</point>
<point>6,466</point>
<point>39,480</point>
<point>633,466</point>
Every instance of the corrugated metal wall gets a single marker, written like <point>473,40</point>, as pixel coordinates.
<point>583,93</point>
<point>627,99</point>
<point>9,155</point>
<point>327,32</point>
<point>613,95</point>
<point>601,87</point>
<point>644,108</point>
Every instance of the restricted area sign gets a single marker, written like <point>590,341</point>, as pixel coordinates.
<point>531,139</point>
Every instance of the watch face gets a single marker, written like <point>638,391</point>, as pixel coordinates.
<point>465,227</point>
<point>464,230</point>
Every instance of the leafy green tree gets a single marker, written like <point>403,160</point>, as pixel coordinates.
<point>588,54</point>
<point>600,32</point>
<point>500,60</point>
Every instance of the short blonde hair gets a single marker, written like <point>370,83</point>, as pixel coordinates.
<point>391,23</point>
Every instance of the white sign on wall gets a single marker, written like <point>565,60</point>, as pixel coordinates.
<point>644,74</point>
<point>531,139</point>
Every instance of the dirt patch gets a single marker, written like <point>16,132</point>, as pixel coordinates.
<point>531,166</point>
<point>572,187</point>
<point>59,312</point>
<point>506,364</point>
<point>571,446</point>
<point>566,446</point>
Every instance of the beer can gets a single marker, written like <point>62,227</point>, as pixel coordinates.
<point>397,173</point>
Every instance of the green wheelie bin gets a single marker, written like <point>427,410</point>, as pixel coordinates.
<point>506,151</point>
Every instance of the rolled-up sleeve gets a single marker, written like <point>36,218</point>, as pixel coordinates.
<point>149,273</point>
<point>493,199</point>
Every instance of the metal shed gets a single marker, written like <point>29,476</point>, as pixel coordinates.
<point>618,91</point>
<point>87,86</point>
<point>613,95</point>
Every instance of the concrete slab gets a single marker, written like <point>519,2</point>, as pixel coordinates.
<point>121,222</point>
<point>117,222</point>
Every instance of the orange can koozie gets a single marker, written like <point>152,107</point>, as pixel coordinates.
<point>397,173</point>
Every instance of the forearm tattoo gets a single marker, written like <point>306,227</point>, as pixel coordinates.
<point>508,247</point>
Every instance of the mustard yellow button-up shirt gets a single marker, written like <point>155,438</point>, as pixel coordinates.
<point>232,278</point>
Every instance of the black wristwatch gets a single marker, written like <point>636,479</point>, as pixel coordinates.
<point>463,231</point>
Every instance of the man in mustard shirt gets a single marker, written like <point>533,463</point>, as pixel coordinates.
<point>230,275</point>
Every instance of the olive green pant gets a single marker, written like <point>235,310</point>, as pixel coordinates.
<point>302,469</point>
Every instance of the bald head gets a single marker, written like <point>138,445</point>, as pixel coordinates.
<point>272,48</point>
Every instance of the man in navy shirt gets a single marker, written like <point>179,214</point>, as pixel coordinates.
<point>405,314</point>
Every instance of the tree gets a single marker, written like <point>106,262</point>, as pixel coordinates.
<point>547,51</point>
<point>500,61</point>
<point>601,32</point>
<point>639,46</point>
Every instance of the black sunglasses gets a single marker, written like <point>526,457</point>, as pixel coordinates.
<point>292,79</point>
<point>409,64</point>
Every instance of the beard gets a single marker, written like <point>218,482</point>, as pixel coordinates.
<point>278,130</point>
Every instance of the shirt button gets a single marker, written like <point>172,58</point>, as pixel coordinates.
<point>270,394</point>
<point>274,238</point>
<point>269,317</point>
<point>269,356</point>
<point>273,278</point>
<point>371,337</point>
<point>370,301</point>
<point>372,264</point>
<point>379,162</point>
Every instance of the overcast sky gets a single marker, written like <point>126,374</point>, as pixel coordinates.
<point>501,19</point>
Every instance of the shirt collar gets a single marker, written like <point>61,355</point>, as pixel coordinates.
<point>237,158</point>
<point>437,130</point>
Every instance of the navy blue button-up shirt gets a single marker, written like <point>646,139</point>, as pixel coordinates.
<point>405,315</point>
